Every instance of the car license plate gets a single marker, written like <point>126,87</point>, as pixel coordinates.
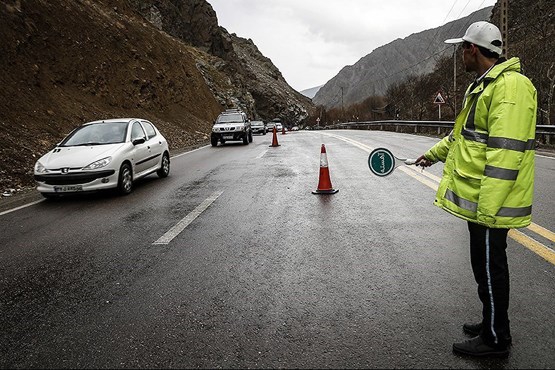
<point>228,136</point>
<point>67,188</point>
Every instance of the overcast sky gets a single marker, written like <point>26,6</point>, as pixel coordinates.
<point>309,41</point>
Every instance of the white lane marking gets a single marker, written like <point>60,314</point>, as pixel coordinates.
<point>21,207</point>
<point>262,154</point>
<point>181,225</point>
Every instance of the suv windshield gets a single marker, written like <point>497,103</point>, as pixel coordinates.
<point>97,134</point>
<point>226,118</point>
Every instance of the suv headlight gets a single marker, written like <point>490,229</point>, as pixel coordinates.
<point>39,168</point>
<point>98,164</point>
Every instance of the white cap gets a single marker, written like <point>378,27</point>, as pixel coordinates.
<point>482,34</point>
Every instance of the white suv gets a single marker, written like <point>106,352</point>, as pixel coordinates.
<point>232,125</point>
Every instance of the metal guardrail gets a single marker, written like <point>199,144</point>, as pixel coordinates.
<point>544,133</point>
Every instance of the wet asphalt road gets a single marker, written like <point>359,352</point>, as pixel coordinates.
<point>269,275</point>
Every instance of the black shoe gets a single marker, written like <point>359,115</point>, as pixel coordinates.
<point>478,348</point>
<point>475,329</point>
<point>472,329</point>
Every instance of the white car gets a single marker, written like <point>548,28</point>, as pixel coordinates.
<point>102,155</point>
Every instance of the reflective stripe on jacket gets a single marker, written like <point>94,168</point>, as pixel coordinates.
<point>488,177</point>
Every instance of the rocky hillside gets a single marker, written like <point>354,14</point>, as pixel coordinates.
<point>257,85</point>
<point>66,62</point>
<point>416,54</point>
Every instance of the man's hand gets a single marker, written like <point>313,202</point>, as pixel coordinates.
<point>422,161</point>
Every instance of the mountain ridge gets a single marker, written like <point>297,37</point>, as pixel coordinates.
<point>389,63</point>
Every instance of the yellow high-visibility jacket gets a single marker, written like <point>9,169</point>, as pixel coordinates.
<point>488,177</point>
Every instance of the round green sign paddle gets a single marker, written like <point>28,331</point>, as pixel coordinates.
<point>381,162</point>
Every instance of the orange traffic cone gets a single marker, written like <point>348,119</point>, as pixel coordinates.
<point>283,130</point>
<point>274,139</point>
<point>324,184</point>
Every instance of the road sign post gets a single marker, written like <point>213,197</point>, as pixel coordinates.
<point>439,100</point>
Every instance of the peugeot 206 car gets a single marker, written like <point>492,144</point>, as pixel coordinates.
<point>103,155</point>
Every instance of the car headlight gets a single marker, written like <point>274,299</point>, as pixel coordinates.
<point>98,164</point>
<point>39,168</point>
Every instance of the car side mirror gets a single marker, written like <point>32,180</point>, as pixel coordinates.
<point>139,141</point>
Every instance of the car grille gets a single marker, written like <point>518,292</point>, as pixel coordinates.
<point>73,178</point>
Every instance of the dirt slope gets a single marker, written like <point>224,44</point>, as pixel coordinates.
<point>66,62</point>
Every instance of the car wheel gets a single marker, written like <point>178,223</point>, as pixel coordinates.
<point>246,139</point>
<point>164,170</point>
<point>125,180</point>
<point>214,141</point>
<point>250,137</point>
<point>50,195</point>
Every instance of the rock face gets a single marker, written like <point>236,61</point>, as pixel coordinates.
<point>414,55</point>
<point>67,62</point>
<point>256,85</point>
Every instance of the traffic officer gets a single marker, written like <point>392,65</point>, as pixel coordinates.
<point>488,176</point>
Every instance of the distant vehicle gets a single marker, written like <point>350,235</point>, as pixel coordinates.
<point>258,127</point>
<point>231,125</point>
<point>102,155</point>
<point>295,128</point>
<point>276,122</point>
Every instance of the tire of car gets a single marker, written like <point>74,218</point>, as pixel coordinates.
<point>125,179</point>
<point>250,137</point>
<point>50,195</point>
<point>214,141</point>
<point>246,139</point>
<point>164,170</point>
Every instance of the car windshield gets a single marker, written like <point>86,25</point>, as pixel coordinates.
<point>97,134</point>
<point>226,118</point>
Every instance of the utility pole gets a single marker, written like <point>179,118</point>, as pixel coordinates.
<point>455,80</point>
<point>342,108</point>
<point>504,25</point>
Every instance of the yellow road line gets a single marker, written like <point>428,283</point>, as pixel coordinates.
<point>542,231</point>
<point>540,249</point>
<point>535,246</point>
<point>418,176</point>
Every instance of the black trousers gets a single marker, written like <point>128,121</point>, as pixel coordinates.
<point>488,257</point>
